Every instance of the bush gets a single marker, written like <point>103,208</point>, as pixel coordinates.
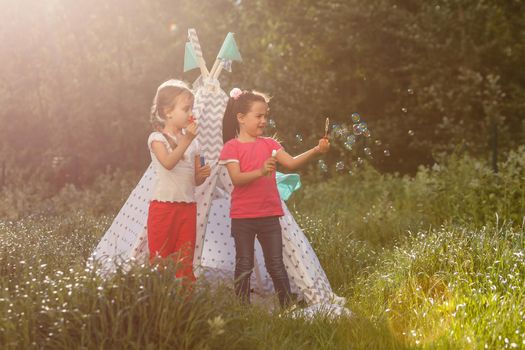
<point>381,208</point>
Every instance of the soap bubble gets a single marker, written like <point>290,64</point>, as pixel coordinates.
<point>410,91</point>
<point>357,129</point>
<point>341,131</point>
<point>386,153</point>
<point>367,151</point>
<point>360,161</point>
<point>411,132</point>
<point>335,130</point>
<point>271,123</point>
<point>349,142</point>
<point>378,142</point>
<point>339,166</point>
<point>366,133</point>
<point>298,138</point>
<point>356,118</point>
<point>404,109</point>
<point>322,166</point>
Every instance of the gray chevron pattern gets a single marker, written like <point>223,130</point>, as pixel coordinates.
<point>210,103</point>
<point>210,106</point>
<point>194,40</point>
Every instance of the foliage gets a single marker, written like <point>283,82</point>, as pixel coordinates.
<point>78,82</point>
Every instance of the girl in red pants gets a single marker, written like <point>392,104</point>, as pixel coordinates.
<point>175,156</point>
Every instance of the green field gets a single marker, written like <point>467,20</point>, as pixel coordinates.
<point>436,260</point>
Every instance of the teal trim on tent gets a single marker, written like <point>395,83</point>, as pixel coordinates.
<point>287,184</point>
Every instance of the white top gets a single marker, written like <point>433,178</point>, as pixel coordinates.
<point>177,184</point>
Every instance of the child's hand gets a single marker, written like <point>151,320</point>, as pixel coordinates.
<point>269,166</point>
<point>324,145</point>
<point>203,172</point>
<point>191,131</point>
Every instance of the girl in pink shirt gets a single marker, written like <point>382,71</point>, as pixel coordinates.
<point>256,206</point>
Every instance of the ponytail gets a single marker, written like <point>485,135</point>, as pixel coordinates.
<point>230,125</point>
<point>239,102</point>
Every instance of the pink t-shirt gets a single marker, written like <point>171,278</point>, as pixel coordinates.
<point>259,198</point>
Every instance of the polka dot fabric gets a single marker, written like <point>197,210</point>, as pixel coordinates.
<point>126,238</point>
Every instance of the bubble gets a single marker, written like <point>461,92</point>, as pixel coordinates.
<point>271,123</point>
<point>410,91</point>
<point>173,27</point>
<point>356,118</point>
<point>350,172</point>
<point>366,133</point>
<point>334,129</point>
<point>322,166</point>
<point>298,138</point>
<point>360,161</point>
<point>357,129</point>
<point>339,166</point>
<point>404,109</point>
<point>349,142</point>
<point>367,151</point>
<point>411,132</point>
<point>339,131</point>
<point>386,153</point>
<point>378,142</point>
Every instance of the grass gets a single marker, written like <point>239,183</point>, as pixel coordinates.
<point>433,261</point>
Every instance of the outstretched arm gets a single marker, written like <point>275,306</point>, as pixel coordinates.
<point>292,163</point>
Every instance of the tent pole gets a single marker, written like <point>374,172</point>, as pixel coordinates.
<point>218,71</point>
<point>214,68</point>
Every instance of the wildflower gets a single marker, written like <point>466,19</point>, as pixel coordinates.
<point>216,325</point>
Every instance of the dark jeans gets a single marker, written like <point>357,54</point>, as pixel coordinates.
<point>268,231</point>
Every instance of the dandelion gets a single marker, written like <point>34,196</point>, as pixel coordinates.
<point>216,325</point>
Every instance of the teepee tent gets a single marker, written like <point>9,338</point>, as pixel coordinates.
<point>214,257</point>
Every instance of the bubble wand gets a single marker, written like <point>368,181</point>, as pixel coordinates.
<point>326,127</point>
<point>274,152</point>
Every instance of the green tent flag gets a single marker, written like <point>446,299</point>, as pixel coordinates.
<point>190,59</point>
<point>229,50</point>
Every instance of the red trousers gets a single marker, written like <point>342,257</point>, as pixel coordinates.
<point>171,233</point>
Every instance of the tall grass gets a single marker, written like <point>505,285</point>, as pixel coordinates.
<point>451,286</point>
<point>424,262</point>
